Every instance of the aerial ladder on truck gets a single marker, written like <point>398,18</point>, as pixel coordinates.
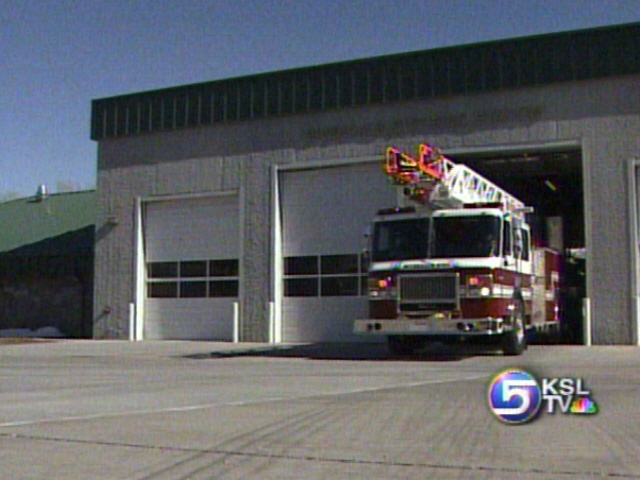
<point>435,181</point>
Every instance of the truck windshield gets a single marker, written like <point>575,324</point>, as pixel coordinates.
<point>456,237</point>
<point>400,240</point>
<point>448,237</point>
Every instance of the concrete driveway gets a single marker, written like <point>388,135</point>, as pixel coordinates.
<point>203,410</point>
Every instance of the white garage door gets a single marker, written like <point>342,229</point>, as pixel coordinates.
<point>191,253</point>
<point>325,213</point>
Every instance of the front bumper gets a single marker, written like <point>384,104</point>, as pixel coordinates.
<point>434,325</point>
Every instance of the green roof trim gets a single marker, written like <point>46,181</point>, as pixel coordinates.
<point>30,220</point>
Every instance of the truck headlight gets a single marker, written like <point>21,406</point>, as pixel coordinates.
<point>382,287</point>
<point>480,285</point>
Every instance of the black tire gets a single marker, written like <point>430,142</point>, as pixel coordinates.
<point>404,345</point>
<point>514,342</point>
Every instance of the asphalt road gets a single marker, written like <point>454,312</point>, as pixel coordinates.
<point>197,410</point>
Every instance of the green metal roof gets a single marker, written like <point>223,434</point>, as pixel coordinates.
<point>28,220</point>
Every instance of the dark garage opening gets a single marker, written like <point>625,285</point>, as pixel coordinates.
<point>552,183</point>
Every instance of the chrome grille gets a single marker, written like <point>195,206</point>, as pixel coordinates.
<point>429,291</point>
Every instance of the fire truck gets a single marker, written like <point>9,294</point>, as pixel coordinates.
<point>453,261</point>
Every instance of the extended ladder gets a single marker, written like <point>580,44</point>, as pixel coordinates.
<point>435,181</point>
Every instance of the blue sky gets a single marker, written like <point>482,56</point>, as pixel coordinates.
<point>58,55</point>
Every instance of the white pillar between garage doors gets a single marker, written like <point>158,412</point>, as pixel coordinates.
<point>139,274</point>
<point>634,225</point>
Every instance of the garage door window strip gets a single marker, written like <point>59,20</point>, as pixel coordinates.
<point>193,279</point>
<point>325,275</point>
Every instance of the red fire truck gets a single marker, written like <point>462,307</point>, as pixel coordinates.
<point>454,261</point>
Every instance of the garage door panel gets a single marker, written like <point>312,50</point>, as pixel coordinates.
<point>189,319</point>
<point>332,320</point>
<point>194,228</point>
<point>330,208</point>
<point>324,215</point>
<point>191,252</point>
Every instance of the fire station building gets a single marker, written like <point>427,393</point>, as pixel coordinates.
<point>235,209</point>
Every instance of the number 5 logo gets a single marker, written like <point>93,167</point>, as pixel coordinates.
<point>514,396</point>
<point>512,388</point>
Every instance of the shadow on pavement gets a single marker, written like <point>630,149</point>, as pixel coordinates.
<point>345,351</point>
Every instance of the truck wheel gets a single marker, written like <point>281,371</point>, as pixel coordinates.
<point>403,345</point>
<point>515,341</point>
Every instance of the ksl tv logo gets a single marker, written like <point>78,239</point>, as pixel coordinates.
<point>516,396</point>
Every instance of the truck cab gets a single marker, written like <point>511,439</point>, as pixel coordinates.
<point>446,273</point>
